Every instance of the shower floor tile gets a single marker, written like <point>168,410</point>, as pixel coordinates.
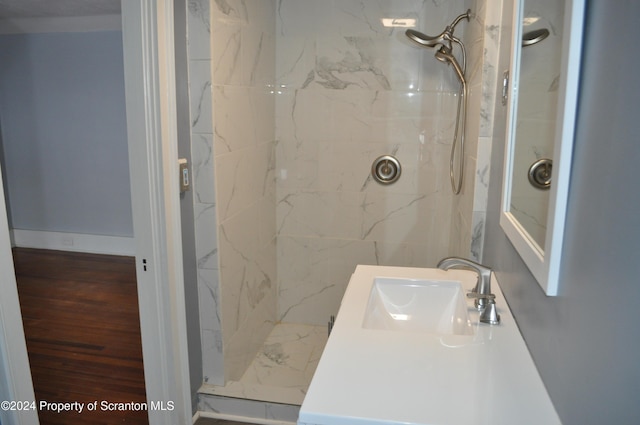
<point>282,370</point>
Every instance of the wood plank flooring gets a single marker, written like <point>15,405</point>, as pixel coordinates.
<point>80,314</point>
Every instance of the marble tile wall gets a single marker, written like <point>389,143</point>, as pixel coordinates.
<point>199,53</point>
<point>349,90</point>
<point>231,74</point>
<point>243,60</point>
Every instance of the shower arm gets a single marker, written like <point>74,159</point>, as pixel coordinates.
<point>466,15</point>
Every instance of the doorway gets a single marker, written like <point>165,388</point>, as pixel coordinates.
<point>147,31</point>
<point>66,175</point>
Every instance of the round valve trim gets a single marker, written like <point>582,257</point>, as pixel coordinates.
<point>540,174</point>
<point>386,169</point>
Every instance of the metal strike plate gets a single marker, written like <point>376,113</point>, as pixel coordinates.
<point>185,178</point>
<point>505,87</point>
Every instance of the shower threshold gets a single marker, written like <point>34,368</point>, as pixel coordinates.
<point>282,370</point>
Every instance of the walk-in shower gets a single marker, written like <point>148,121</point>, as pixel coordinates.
<point>444,53</point>
<point>294,107</point>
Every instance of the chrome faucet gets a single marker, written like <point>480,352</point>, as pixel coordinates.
<point>483,286</point>
<point>484,299</point>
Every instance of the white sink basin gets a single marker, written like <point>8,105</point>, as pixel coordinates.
<point>418,305</point>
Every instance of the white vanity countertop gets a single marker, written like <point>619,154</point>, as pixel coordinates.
<point>373,376</point>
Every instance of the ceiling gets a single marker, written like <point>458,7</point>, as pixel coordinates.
<point>57,8</point>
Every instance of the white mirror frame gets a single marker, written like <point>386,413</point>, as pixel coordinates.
<point>544,264</point>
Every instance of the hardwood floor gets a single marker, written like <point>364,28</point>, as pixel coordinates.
<point>80,314</point>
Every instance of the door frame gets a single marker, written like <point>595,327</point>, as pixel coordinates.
<point>147,27</point>
<point>15,379</point>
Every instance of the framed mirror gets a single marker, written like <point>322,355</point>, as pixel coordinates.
<point>544,72</point>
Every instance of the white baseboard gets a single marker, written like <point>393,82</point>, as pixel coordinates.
<point>76,242</point>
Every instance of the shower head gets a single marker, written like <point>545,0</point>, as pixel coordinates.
<point>444,43</point>
<point>534,37</point>
<point>443,54</point>
<point>425,40</point>
<point>443,39</point>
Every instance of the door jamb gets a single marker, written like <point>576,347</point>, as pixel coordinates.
<point>147,27</point>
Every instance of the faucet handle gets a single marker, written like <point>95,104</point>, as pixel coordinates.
<point>481,296</point>
<point>481,299</point>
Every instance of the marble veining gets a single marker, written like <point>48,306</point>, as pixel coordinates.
<point>200,97</point>
<point>199,29</point>
<point>199,14</point>
<point>282,369</point>
<point>232,9</point>
<point>202,168</point>
<point>206,235</point>
<point>228,56</point>
<point>477,236</point>
<point>369,227</point>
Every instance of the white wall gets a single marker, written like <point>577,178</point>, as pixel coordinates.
<point>64,133</point>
